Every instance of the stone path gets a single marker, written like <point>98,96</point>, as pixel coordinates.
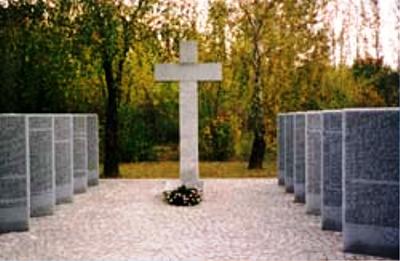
<point>240,219</point>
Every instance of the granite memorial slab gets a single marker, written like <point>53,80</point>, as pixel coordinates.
<point>299,157</point>
<point>371,181</point>
<point>331,210</point>
<point>41,163</point>
<point>188,73</point>
<point>92,149</point>
<point>14,173</point>
<point>289,152</point>
<point>313,162</point>
<point>281,148</point>
<point>80,153</point>
<point>63,143</point>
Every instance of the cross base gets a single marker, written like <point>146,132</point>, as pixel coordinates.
<point>173,184</point>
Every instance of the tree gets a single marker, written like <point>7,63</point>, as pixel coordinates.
<point>215,42</point>
<point>294,55</point>
<point>376,24</point>
<point>35,45</point>
<point>255,14</point>
<point>110,28</point>
<point>379,83</point>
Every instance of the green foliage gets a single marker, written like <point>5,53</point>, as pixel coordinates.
<point>142,128</point>
<point>136,135</point>
<point>338,89</point>
<point>243,146</point>
<point>217,140</point>
<point>373,74</point>
<point>37,67</point>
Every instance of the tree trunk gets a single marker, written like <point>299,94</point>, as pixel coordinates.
<point>257,112</point>
<point>257,152</point>
<point>111,158</point>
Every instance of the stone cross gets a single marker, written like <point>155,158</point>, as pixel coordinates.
<point>188,72</point>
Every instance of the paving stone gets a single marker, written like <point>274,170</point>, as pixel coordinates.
<point>239,219</point>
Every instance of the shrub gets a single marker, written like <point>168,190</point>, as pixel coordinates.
<point>136,138</point>
<point>216,140</point>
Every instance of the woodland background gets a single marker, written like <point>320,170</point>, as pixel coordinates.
<point>98,56</point>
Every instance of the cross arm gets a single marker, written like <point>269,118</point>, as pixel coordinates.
<point>188,72</point>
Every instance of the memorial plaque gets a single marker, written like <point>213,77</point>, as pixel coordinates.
<point>63,158</point>
<point>281,149</point>
<point>299,157</point>
<point>14,177</point>
<point>42,167</point>
<point>80,153</point>
<point>313,162</point>
<point>92,149</point>
<point>371,181</point>
<point>289,152</point>
<point>331,212</point>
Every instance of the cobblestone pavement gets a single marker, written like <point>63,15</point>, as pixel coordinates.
<point>240,219</point>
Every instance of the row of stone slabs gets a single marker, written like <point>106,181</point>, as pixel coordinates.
<point>44,160</point>
<point>344,165</point>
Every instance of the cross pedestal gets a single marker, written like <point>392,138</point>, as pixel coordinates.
<point>188,72</point>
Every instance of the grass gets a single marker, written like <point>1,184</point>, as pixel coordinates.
<point>170,169</point>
